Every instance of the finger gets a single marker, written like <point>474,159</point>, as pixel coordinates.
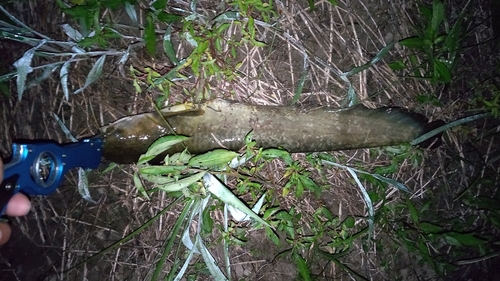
<point>4,233</point>
<point>19,205</point>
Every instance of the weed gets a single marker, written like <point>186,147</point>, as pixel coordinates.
<point>438,45</point>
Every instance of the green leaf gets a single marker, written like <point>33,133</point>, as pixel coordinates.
<point>168,18</point>
<point>380,55</point>
<point>138,184</point>
<point>271,153</point>
<point>448,126</point>
<point>415,43</point>
<point>413,212</point>
<point>429,99</point>
<point>207,222</point>
<point>213,159</point>
<point>270,212</point>
<point>437,18</point>
<point>181,184</point>
<point>443,71</point>
<point>168,47</point>
<point>467,239</point>
<point>311,4</point>
<point>156,179</point>
<point>150,37</point>
<point>215,271</point>
<point>308,183</point>
<point>160,146</point>
<point>225,195</point>
<point>302,82</point>
<point>272,235</point>
<point>228,16</point>
<point>428,227</point>
<point>301,266</point>
<point>159,4</point>
<point>397,65</point>
<point>349,222</point>
<point>162,170</point>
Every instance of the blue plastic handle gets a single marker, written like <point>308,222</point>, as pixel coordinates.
<point>38,168</point>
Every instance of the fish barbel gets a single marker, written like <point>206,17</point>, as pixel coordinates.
<point>224,124</point>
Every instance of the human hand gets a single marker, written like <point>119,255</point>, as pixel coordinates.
<point>19,205</point>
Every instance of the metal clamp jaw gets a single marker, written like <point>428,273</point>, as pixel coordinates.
<point>38,168</point>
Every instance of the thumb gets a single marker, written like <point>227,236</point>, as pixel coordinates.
<point>4,233</point>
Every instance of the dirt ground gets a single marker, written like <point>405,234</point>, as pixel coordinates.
<point>63,230</point>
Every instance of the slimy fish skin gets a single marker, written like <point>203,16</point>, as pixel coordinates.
<point>224,124</point>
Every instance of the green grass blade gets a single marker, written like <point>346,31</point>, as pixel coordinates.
<point>301,266</point>
<point>171,239</point>
<point>450,125</point>
<point>368,202</point>
<point>303,77</point>
<point>395,183</point>
<point>138,184</point>
<point>150,37</point>
<point>334,258</point>
<point>373,61</point>
<point>437,19</point>
<point>225,242</point>
<point>168,47</point>
<point>209,260</point>
<point>129,236</point>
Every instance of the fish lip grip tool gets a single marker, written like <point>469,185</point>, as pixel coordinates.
<point>38,168</point>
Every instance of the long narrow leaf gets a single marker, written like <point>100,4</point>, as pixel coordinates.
<point>168,47</point>
<point>160,146</point>
<point>23,67</point>
<point>368,201</point>
<point>72,33</point>
<point>374,60</point>
<point>129,236</point>
<point>94,73</point>
<point>223,193</point>
<point>63,76</point>
<point>209,260</point>
<point>395,183</point>
<point>448,126</point>
<point>240,216</point>
<point>131,12</point>
<point>48,69</point>
<point>174,233</point>
<point>183,183</point>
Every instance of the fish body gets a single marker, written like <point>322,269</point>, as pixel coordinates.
<point>224,124</point>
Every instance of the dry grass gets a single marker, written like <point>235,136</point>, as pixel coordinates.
<point>63,230</point>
